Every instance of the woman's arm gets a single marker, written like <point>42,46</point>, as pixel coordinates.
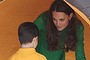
<point>41,26</point>
<point>80,55</point>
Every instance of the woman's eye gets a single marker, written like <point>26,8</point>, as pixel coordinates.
<point>61,19</point>
<point>54,19</point>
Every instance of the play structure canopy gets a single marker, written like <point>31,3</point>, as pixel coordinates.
<point>81,7</point>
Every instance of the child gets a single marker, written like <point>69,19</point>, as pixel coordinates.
<point>28,37</point>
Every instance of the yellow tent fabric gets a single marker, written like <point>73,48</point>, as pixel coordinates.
<point>79,12</point>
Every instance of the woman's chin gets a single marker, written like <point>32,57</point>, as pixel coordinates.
<point>59,29</point>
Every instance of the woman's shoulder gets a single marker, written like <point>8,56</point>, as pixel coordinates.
<point>79,25</point>
<point>41,21</point>
<point>42,17</point>
<point>43,14</point>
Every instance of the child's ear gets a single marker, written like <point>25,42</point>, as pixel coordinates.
<point>70,16</point>
<point>35,39</point>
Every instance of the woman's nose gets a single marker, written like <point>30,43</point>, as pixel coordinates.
<point>58,23</point>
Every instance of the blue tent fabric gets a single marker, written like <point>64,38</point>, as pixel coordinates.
<point>82,5</point>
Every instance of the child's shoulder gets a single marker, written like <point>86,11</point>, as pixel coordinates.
<point>41,57</point>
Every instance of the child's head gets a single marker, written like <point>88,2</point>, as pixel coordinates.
<point>28,33</point>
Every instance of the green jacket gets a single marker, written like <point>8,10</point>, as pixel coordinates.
<point>58,54</point>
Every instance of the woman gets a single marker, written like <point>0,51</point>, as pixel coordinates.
<point>60,31</point>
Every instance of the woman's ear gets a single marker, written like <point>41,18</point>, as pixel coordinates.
<point>70,16</point>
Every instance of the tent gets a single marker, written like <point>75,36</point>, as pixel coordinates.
<point>81,7</point>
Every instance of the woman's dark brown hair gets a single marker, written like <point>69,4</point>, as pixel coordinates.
<point>53,35</point>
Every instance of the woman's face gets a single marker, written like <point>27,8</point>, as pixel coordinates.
<point>61,20</point>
